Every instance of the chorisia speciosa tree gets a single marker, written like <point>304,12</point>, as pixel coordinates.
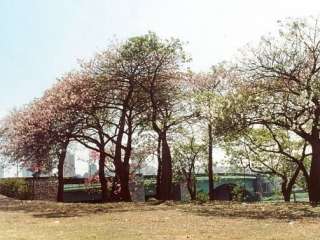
<point>279,85</point>
<point>143,73</point>
<point>162,62</point>
<point>41,132</point>
<point>122,89</point>
<point>117,75</point>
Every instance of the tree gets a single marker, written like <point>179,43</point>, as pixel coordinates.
<point>207,90</point>
<point>270,151</point>
<point>118,72</point>
<point>41,132</point>
<point>188,157</point>
<point>278,85</point>
<point>157,64</point>
<point>93,134</point>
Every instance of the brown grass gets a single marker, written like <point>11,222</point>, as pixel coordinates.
<point>48,220</point>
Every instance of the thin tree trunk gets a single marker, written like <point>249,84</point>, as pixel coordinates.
<point>122,168</point>
<point>210,163</point>
<point>286,187</point>
<point>192,188</point>
<point>61,156</point>
<point>307,178</point>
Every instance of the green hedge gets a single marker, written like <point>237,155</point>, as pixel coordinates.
<point>15,188</point>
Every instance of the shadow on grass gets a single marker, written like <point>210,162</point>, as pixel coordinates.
<point>280,211</point>
<point>44,209</point>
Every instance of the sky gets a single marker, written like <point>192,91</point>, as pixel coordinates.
<point>42,39</point>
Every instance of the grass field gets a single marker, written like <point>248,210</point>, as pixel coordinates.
<point>48,220</point>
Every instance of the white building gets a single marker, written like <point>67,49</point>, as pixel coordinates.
<point>69,169</point>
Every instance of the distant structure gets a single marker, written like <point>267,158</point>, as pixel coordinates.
<point>1,171</point>
<point>25,172</point>
<point>92,169</point>
<point>69,169</point>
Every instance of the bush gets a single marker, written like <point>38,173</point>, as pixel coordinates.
<point>240,194</point>
<point>202,197</point>
<point>15,188</point>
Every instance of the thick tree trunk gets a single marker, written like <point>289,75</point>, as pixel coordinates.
<point>286,196</point>
<point>124,182</point>
<point>166,170</point>
<point>121,168</point>
<point>285,192</point>
<point>61,156</point>
<point>210,163</point>
<point>314,179</point>
<point>102,177</point>
<point>125,172</point>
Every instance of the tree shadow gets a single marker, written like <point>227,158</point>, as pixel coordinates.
<point>280,211</point>
<point>45,209</point>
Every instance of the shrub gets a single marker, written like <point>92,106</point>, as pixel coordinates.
<point>202,196</point>
<point>15,188</point>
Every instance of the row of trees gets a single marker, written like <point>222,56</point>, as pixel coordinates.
<point>263,110</point>
<point>129,88</point>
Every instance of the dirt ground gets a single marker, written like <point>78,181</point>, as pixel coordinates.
<point>156,220</point>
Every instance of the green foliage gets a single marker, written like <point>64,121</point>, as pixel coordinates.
<point>202,197</point>
<point>188,156</point>
<point>238,194</point>
<point>271,151</point>
<point>15,188</point>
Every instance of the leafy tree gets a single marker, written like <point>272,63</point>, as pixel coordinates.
<point>274,152</point>
<point>207,91</point>
<point>41,132</point>
<point>278,85</point>
<point>188,157</point>
<point>160,65</point>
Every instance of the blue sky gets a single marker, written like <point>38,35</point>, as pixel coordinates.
<point>41,39</point>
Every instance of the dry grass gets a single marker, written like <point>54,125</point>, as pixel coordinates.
<point>47,220</point>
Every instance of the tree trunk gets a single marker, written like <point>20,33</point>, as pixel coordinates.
<point>124,182</point>
<point>159,167</point>
<point>286,187</point>
<point>61,158</point>
<point>307,179</point>
<point>286,196</point>
<point>314,180</point>
<point>114,196</point>
<point>285,192</point>
<point>102,177</point>
<point>166,170</point>
<point>120,166</point>
<point>191,184</point>
<point>125,172</point>
<point>210,163</point>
